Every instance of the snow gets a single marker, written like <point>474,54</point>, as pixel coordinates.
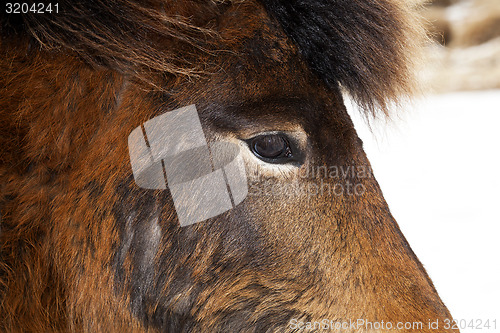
<point>439,169</point>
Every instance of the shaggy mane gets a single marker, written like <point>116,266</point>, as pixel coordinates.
<point>126,35</point>
<point>366,46</point>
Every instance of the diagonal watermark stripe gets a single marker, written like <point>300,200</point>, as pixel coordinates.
<point>204,181</point>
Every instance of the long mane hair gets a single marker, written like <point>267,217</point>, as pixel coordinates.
<point>368,47</point>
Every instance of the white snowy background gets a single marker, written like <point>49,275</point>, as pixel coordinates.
<point>438,165</point>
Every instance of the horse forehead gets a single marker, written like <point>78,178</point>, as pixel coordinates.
<point>285,111</point>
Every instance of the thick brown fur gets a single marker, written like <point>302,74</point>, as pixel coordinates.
<point>370,52</point>
<point>82,248</point>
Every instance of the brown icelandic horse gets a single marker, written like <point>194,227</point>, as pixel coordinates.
<point>84,248</point>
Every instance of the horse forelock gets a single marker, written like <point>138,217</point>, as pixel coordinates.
<point>368,47</point>
<point>83,246</point>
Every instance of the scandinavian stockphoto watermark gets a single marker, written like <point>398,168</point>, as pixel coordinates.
<point>205,180</point>
<point>349,325</point>
<point>313,181</point>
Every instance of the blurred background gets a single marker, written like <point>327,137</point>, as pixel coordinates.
<point>466,52</point>
<point>438,160</point>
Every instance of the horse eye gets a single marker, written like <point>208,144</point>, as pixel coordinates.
<point>272,148</point>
